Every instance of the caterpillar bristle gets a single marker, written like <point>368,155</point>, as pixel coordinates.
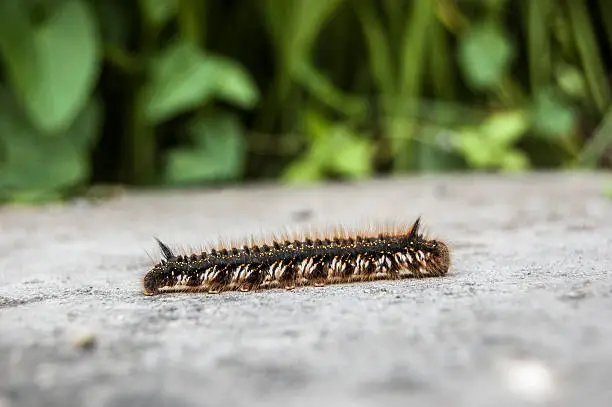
<point>167,253</point>
<point>337,256</point>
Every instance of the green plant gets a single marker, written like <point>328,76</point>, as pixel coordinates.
<point>176,92</point>
<point>49,120</point>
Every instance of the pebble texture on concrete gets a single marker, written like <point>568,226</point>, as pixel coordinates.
<point>525,317</point>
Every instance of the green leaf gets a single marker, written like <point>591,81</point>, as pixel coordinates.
<point>303,170</point>
<point>315,126</point>
<point>42,167</point>
<point>158,12</point>
<point>552,117</point>
<point>335,149</point>
<point>60,65</point>
<point>475,148</point>
<point>571,80</point>
<point>490,145</point>
<point>183,77</point>
<point>218,152</point>
<point>86,129</point>
<point>485,54</point>
<point>37,167</point>
<point>233,83</point>
<point>180,80</point>
<point>19,50</point>
<point>350,154</point>
<point>505,128</point>
<point>514,161</point>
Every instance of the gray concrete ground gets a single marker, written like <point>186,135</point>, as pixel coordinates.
<point>524,318</point>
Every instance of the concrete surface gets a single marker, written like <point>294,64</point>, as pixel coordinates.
<point>525,318</point>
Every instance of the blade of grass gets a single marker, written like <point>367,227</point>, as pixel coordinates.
<point>598,144</point>
<point>191,18</point>
<point>293,26</point>
<point>588,49</point>
<point>378,46</point>
<point>441,65</point>
<point>605,7</point>
<point>324,90</point>
<point>410,82</point>
<point>538,43</point>
<point>394,12</point>
<point>430,157</point>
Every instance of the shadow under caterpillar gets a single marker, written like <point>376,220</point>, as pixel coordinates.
<point>312,260</point>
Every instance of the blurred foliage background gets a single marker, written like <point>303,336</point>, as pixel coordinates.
<point>183,92</point>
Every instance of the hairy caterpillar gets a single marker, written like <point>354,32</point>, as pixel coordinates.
<point>313,260</point>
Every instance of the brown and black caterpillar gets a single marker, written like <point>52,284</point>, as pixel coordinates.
<point>313,260</point>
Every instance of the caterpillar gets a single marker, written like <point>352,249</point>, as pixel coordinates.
<point>389,253</point>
